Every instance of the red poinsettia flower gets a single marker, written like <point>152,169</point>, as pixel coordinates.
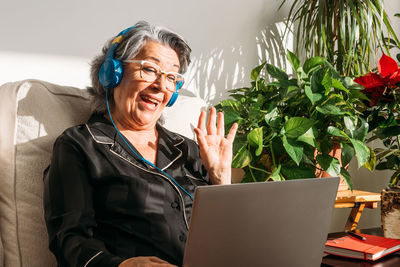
<point>377,84</point>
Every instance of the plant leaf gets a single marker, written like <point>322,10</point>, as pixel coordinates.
<point>294,61</point>
<point>308,137</point>
<point>346,177</point>
<point>314,97</point>
<point>332,130</point>
<point>330,164</point>
<point>330,109</point>
<point>311,63</point>
<point>327,80</point>
<point>370,164</point>
<point>230,117</point>
<point>349,123</point>
<point>254,110</point>
<point>362,152</point>
<point>394,179</point>
<point>338,85</point>
<point>293,148</point>
<point>347,154</point>
<point>284,83</point>
<point>255,73</point>
<point>272,115</point>
<point>235,105</point>
<point>273,119</point>
<point>275,175</point>
<point>255,138</point>
<point>297,126</point>
<point>242,158</point>
<point>276,72</point>
<point>361,132</point>
<point>297,172</point>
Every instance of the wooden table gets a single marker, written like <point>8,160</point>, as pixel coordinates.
<point>357,200</point>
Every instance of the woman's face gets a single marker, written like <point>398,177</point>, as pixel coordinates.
<point>139,104</point>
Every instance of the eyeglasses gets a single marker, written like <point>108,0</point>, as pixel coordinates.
<point>150,72</point>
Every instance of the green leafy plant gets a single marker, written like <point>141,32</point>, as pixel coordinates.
<point>383,88</point>
<point>288,127</point>
<point>346,32</point>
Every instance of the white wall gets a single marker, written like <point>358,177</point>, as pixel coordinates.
<point>55,40</point>
<point>224,35</point>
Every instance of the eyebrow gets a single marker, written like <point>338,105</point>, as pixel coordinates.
<point>158,61</point>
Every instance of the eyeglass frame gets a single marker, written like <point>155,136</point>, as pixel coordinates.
<point>158,75</point>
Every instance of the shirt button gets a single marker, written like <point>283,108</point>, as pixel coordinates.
<point>182,238</point>
<point>174,205</point>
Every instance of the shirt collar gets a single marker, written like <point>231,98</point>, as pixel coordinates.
<point>168,149</point>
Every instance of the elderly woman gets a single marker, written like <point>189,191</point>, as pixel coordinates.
<point>119,189</point>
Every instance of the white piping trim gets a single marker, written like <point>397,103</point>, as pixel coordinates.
<point>94,138</point>
<point>180,153</point>
<point>97,254</point>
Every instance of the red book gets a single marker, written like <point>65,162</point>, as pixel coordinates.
<point>373,248</point>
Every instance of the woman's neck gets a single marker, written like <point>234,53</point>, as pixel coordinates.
<point>144,139</point>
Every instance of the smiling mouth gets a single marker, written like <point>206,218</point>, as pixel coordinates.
<point>150,100</point>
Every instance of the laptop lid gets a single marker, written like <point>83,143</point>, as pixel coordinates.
<point>283,223</point>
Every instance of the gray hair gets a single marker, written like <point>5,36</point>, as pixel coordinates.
<point>130,46</point>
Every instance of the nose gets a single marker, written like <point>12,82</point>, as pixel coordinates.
<point>161,81</point>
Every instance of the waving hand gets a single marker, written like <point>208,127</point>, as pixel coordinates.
<point>215,148</point>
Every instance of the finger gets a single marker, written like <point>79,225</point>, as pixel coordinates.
<point>201,140</point>
<point>220,125</point>
<point>232,132</point>
<point>202,121</point>
<point>211,128</point>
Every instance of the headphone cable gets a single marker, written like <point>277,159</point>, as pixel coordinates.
<point>141,158</point>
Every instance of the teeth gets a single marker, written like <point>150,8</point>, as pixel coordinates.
<point>155,101</point>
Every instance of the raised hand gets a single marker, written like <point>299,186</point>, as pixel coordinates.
<point>215,149</point>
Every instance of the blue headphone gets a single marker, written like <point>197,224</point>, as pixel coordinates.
<point>111,70</point>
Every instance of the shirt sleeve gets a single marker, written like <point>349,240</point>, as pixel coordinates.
<point>69,212</point>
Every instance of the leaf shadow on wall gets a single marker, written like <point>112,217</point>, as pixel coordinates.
<point>218,70</point>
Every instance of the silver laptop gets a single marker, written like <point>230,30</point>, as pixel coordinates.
<point>281,223</point>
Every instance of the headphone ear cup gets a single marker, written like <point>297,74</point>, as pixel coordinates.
<point>110,73</point>
<point>173,98</point>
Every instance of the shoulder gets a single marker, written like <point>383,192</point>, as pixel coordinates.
<point>97,130</point>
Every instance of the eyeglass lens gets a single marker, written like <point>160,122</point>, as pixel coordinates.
<point>150,72</point>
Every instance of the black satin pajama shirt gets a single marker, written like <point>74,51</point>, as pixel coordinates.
<point>104,205</point>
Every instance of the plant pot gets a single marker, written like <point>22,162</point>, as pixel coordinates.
<point>335,152</point>
<point>390,212</point>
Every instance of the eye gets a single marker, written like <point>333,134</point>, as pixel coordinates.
<point>149,70</point>
<point>171,77</point>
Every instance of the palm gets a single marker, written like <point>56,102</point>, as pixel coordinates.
<point>215,148</point>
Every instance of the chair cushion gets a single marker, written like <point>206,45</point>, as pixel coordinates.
<point>1,252</point>
<point>33,114</point>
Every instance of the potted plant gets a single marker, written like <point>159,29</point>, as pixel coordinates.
<point>289,127</point>
<point>383,88</point>
<point>347,33</point>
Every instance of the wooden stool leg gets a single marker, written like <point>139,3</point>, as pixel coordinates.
<point>354,216</point>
